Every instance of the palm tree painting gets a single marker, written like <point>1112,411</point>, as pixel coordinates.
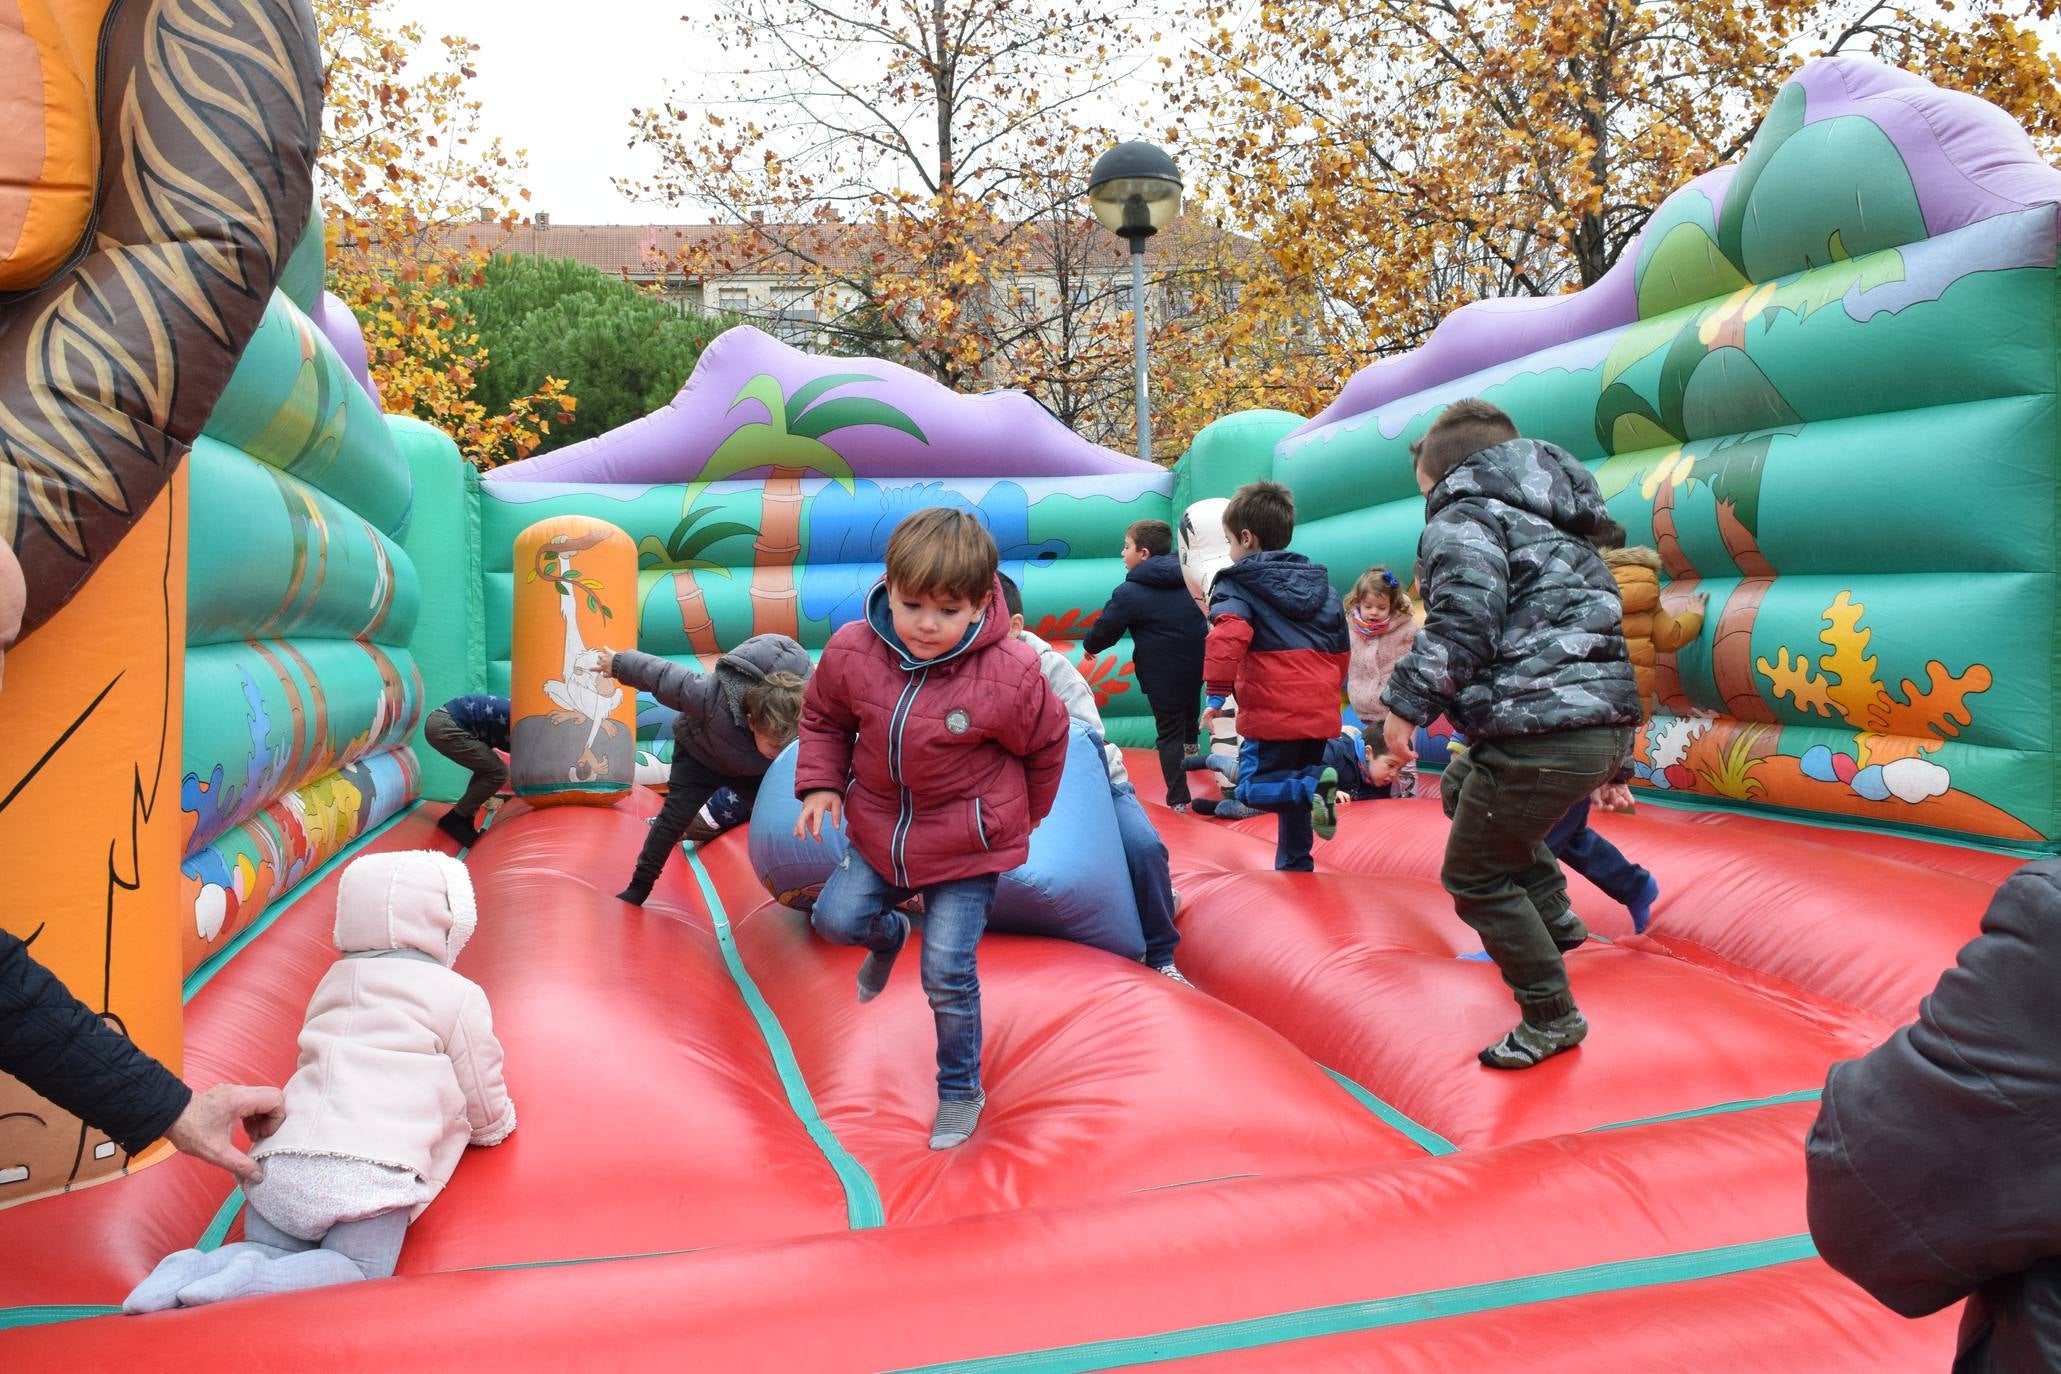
<point>684,551</point>
<point>789,442</point>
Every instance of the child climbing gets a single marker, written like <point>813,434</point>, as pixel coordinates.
<point>1145,858</point>
<point>1364,772</point>
<point>733,721</point>
<point>936,725</point>
<point>1650,629</point>
<point>1522,649</point>
<point>1277,636</point>
<point>1167,635</point>
<point>472,732</point>
<point>1383,629</point>
<point>399,1072</point>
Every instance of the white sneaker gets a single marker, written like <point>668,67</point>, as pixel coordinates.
<point>1170,971</point>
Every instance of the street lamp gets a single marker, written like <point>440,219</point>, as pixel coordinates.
<point>1135,192</point>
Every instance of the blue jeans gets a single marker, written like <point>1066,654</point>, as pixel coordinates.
<point>1596,858</point>
<point>1151,883</point>
<point>1280,775</point>
<point>857,908</point>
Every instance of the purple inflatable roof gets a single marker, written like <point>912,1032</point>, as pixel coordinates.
<point>753,403</point>
<point>1968,160</point>
<point>340,327</point>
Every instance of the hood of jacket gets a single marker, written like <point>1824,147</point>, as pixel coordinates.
<point>1529,474</point>
<point>1288,582</point>
<point>413,899</point>
<point>745,666</point>
<point>1160,570</point>
<point>989,629</point>
<point>1633,556</point>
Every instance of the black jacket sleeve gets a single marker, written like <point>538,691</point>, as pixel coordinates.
<point>1935,1162</point>
<point>54,1044</point>
<point>1109,627</point>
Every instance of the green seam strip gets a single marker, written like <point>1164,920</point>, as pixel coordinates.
<point>552,789</point>
<point>47,1314</point>
<point>215,963</point>
<point>225,1215</point>
<point>1426,1139</point>
<point>862,1199</point>
<point>1750,1104</point>
<point>1255,1332</point>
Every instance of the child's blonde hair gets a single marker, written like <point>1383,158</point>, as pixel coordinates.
<point>1379,581</point>
<point>773,705</point>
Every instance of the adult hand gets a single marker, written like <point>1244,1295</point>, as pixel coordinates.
<point>1400,738</point>
<point>206,1128</point>
<point>815,806</point>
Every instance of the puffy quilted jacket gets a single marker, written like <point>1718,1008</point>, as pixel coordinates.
<point>1522,629</point>
<point>57,1047</point>
<point>1277,639</point>
<point>945,764</point>
<point>1167,632</point>
<point>1934,1169</point>
<point>711,724</point>
<point>1650,629</point>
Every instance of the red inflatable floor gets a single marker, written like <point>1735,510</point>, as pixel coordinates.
<point>1298,1164</point>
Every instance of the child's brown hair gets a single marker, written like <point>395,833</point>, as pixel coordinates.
<point>1265,508</point>
<point>773,704</point>
<point>1462,429</point>
<point>1153,536</point>
<point>944,553</point>
<point>1379,581</point>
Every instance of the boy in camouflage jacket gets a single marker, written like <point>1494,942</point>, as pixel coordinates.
<point>1523,649</point>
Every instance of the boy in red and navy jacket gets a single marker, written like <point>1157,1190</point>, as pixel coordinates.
<point>929,728</point>
<point>1277,641</point>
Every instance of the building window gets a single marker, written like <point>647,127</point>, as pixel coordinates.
<point>734,299</point>
<point>796,325</point>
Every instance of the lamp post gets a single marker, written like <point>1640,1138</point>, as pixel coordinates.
<point>1135,192</point>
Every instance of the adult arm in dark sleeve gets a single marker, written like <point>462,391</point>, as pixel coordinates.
<point>1935,1162</point>
<point>60,1049</point>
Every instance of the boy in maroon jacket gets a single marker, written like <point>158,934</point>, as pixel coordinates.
<point>929,729</point>
<point>1277,639</point>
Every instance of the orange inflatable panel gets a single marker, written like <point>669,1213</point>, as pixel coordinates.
<point>49,60</point>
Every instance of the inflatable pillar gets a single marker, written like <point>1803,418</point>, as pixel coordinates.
<point>572,730</point>
<point>90,822</point>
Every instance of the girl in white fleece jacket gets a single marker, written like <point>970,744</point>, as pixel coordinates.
<point>399,1072</point>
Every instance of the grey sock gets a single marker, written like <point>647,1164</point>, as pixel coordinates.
<point>160,1292</point>
<point>1533,1042</point>
<point>955,1122</point>
<point>249,1274</point>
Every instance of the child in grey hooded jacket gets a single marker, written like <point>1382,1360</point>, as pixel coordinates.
<point>732,721</point>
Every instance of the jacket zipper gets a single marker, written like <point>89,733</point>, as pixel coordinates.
<point>898,852</point>
<point>980,831</point>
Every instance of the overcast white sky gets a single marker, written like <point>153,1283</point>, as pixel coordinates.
<point>559,80</point>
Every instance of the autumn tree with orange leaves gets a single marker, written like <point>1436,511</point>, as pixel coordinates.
<point>919,170</point>
<point>1397,158</point>
<point>401,162</point>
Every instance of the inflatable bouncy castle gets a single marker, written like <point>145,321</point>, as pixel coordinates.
<point>1821,385</point>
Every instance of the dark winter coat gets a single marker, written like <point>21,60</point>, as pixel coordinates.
<point>711,726</point>
<point>1277,641</point>
<point>946,764</point>
<point>58,1048</point>
<point>1935,1163</point>
<point>1522,632</point>
<point>1167,633</point>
